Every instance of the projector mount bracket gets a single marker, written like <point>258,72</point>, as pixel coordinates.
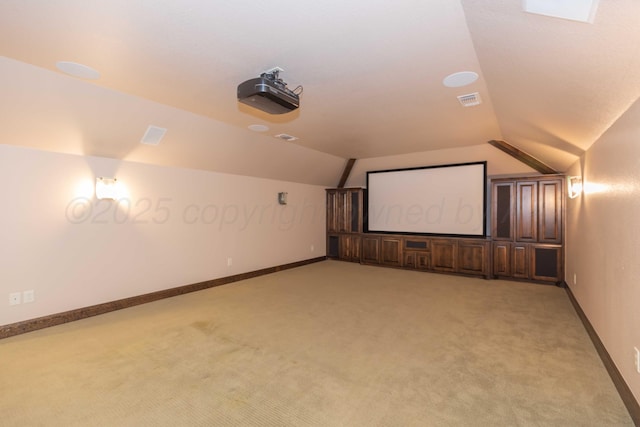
<point>273,75</point>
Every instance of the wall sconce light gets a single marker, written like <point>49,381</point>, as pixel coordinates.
<point>106,188</point>
<point>574,183</point>
<point>282,198</point>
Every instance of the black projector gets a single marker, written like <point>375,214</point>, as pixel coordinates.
<point>268,95</point>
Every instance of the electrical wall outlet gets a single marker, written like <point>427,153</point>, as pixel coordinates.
<point>313,248</point>
<point>28,296</point>
<point>637,359</point>
<point>575,278</point>
<point>15,298</point>
<point>229,262</point>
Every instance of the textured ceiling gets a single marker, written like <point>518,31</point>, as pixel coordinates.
<point>372,73</point>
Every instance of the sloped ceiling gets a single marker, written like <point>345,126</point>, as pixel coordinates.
<point>372,74</point>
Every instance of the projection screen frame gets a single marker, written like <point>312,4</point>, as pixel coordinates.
<point>482,215</point>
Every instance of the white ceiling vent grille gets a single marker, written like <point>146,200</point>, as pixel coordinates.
<point>470,99</point>
<point>153,135</point>
<point>286,137</point>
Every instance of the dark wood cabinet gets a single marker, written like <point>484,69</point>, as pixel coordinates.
<point>550,211</point>
<point>416,253</point>
<point>502,218</point>
<point>527,228</point>
<point>346,241</point>
<point>350,247</point>
<point>443,255</point>
<point>370,250</point>
<point>391,251</point>
<point>344,223</point>
<point>520,261</point>
<point>473,257</point>
<point>344,210</point>
<point>546,262</point>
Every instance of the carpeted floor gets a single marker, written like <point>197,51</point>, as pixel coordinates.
<point>328,344</point>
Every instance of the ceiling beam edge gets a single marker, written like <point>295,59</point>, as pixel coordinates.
<point>346,172</point>
<point>525,158</point>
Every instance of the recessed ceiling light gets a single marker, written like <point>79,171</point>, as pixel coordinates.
<point>77,70</point>
<point>574,10</point>
<point>462,78</point>
<point>259,128</point>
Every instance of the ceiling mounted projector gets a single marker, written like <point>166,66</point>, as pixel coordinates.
<point>269,93</point>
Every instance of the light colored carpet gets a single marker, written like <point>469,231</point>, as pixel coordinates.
<point>328,344</point>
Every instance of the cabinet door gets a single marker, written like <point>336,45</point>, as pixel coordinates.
<point>355,213</point>
<point>350,247</point>
<point>546,261</point>
<point>332,211</point>
<point>417,260</point>
<point>472,257</point>
<point>333,246</point>
<point>423,261</point>
<point>410,260</point>
<point>344,211</point>
<point>391,251</point>
<point>501,259</point>
<point>371,250</point>
<point>502,208</point>
<point>550,211</point>
<point>520,261</point>
<point>443,255</point>
<point>526,211</point>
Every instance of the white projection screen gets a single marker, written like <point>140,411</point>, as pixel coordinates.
<point>448,200</point>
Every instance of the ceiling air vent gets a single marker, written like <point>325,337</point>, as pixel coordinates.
<point>286,137</point>
<point>153,135</point>
<point>470,100</point>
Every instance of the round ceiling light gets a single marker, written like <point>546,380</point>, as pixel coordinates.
<point>258,128</point>
<point>77,70</point>
<point>462,78</point>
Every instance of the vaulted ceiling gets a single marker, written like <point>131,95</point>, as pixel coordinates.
<point>372,73</point>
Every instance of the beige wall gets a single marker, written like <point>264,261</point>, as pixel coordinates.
<point>603,241</point>
<point>179,227</point>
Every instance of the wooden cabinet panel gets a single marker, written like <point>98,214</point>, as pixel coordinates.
<point>501,259</point>
<point>537,220</point>
<point>370,250</point>
<point>350,247</point>
<point>502,218</point>
<point>550,211</point>
<point>332,211</point>
<point>423,261</point>
<point>520,263</point>
<point>443,255</point>
<point>344,210</point>
<point>333,246</point>
<point>526,211</point>
<point>417,260</point>
<point>546,263</point>
<point>391,251</point>
<point>472,258</point>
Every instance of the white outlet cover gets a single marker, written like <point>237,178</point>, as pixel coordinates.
<point>28,296</point>
<point>15,298</point>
